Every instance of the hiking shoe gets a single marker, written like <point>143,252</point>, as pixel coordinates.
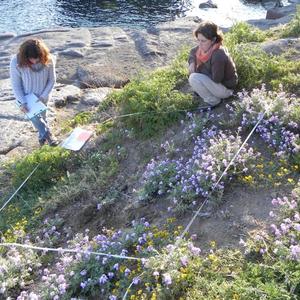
<point>42,142</point>
<point>52,141</point>
<point>207,107</point>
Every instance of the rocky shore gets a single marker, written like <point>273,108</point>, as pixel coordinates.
<point>90,62</point>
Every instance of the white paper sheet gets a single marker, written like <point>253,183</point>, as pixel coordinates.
<point>76,139</point>
<point>35,106</point>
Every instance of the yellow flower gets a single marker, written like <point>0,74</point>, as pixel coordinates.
<point>139,292</point>
<point>153,296</point>
<point>290,180</point>
<point>183,276</point>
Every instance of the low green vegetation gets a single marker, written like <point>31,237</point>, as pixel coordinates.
<point>152,102</point>
<point>292,29</point>
<point>254,65</point>
<point>80,119</point>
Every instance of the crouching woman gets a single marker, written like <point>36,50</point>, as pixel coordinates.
<point>212,71</point>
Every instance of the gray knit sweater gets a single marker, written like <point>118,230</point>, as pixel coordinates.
<point>39,79</point>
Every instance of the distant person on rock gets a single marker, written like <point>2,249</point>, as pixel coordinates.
<point>32,70</point>
<point>212,72</point>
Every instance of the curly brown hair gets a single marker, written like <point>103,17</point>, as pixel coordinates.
<point>33,48</point>
<point>209,30</point>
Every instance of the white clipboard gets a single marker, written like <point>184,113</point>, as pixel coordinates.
<point>34,106</point>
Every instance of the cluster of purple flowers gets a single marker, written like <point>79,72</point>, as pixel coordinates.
<point>277,129</point>
<point>283,241</point>
<point>287,232</point>
<point>85,271</point>
<point>197,176</point>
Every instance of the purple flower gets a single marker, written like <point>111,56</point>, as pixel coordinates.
<point>127,272</point>
<point>103,279</point>
<point>136,280</point>
<point>184,261</point>
<point>83,272</point>
<point>295,252</point>
<point>167,279</point>
<point>116,267</point>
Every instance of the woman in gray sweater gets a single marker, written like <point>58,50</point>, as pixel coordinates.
<point>32,71</point>
<point>212,71</point>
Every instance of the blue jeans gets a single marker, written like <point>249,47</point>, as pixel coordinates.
<point>40,124</point>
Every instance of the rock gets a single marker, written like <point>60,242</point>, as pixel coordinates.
<point>269,4</point>
<point>103,77</point>
<point>72,52</point>
<point>264,24</point>
<point>92,97</point>
<point>208,4</point>
<point>6,35</point>
<point>10,147</point>
<point>64,94</point>
<point>282,45</point>
<point>280,12</point>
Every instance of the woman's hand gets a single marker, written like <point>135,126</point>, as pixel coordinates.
<point>192,68</point>
<point>42,99</point>
<point>24,108</point>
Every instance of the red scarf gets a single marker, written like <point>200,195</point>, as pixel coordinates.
<point>202,57</point>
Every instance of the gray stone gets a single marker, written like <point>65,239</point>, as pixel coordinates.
<point>281,46</point>
<point>72,53</point>
<point>92,97</point>
<point>208,4</point>
<point>7,35</point>
<point>280,12</point>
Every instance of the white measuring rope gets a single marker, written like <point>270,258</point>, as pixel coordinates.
<point>111,118</point>
<point>62,250</point>
<point>22,184</point>
<point>128,289</point>
<point>218,181</point>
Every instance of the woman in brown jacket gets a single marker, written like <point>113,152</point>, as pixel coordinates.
<point>212,71</point>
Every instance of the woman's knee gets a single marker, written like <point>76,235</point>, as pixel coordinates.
<point>197,78</point>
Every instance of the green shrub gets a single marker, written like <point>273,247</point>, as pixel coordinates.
<point>81,118</point>
<point>292,29</point>
<point>52,160</point>
<point>256,67</point>
<point>242,33</point>
<point>153,101</point>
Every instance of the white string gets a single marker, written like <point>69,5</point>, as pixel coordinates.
<point>111,118</point>
<point>62,250</point>
<point>128,289</point>
<point>22,184</point>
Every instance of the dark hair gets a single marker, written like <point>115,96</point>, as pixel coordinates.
<point>33,48</point>
<point>209,30</point>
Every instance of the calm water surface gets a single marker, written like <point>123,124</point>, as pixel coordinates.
<point>21,16</point>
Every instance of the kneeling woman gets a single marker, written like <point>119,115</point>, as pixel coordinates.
<point>212,71</point>
<point>32,70</point>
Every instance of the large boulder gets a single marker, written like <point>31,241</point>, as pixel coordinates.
<point>208,4</point>
<point>280,12</point>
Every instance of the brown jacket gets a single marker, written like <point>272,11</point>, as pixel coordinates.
<point>220,67</point>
